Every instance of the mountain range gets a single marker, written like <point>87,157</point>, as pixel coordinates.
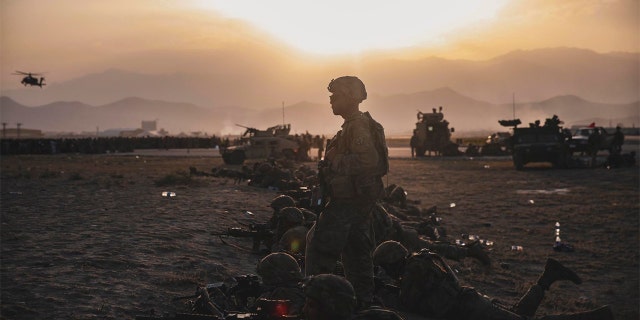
<point>397,113</point>
<point>213,91</point>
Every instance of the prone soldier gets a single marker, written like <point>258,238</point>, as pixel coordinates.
<point>387,228</point>
<point>281,276</point>
<point>429,287</point>
<point>332,297</point>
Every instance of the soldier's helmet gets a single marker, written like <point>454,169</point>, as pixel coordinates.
<point>282,201</point>
<point>264,167</point>
<point>334,293</point>
<point>350,86</point>
<point>398,196</point>
<point>389,252</point>
<point>294,240</point>
<point>291,215</point>
<point>376,313</point>
<point>279,268</point>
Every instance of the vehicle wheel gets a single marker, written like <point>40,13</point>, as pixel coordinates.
<point>234,157</point>
<point>451,149</point>
<point>490,149</point>
<point>518,160</point>
<point>561,161</point>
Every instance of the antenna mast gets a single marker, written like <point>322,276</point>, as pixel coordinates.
<point>514,105</point>
<point>283,113</point>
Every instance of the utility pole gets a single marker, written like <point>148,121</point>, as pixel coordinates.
<point>18,131</point>
<point>283,113</point>
<point>4,129</point>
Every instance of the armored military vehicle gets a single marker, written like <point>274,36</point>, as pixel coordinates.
<point>274,142</point>
<point>539,143</point>
<point>497,144</point>
<point>580,139</point>
<point>432,134</point>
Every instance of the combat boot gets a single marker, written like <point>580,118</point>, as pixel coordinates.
<point>602,313</point>
<point>475,250</point>
<point>529,303</point>
<point>554,271</point>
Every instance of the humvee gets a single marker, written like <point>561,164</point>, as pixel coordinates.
<point>547,143</point>
<point>274,142</point>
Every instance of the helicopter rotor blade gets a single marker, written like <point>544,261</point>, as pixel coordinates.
<point>28,73</point>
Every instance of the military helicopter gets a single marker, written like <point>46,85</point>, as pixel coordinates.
<point>30,79</point>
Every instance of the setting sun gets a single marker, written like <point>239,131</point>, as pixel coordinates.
<point>338,27</point>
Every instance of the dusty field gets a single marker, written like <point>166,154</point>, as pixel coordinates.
<point>91,237</point>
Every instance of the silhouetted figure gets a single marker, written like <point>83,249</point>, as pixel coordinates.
<point>618,140</point>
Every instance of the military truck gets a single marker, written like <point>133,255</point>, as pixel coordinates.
<point>580,140</point>
<point>432,134</point>
<point>497,144</point>
<point>539,143</point>
<point>274,142</point>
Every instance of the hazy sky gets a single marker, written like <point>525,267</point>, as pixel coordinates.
<point>70,38</point>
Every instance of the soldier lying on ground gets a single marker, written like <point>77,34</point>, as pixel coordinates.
<point>279,202</point>
<point>428,286</point>
<point>291,232</point>
<point>281,276</point>
<point>387,227</point>
<point>325,296</point>
<point>331,297</point>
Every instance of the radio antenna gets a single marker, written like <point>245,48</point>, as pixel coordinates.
<point>514,105</point>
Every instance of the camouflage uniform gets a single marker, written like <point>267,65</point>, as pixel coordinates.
<point>281,276</point>
<point>387,228</point>
<point>333,295</point>
<point>286,219</point>
<point>430,288</point>
<point>353,177</point>
<point>294,240</point>
<point>279,202</point>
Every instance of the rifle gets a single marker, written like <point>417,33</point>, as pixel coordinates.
<point>303,196</point>
<point>236,293</point>
<point>265,309</point>
<point>432,228</point>
<point>260,233</point>
<point>320,192</point>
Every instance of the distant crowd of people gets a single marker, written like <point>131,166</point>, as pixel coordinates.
<point>102,144</point>
<point>98,145</point>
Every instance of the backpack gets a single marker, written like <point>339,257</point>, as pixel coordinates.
<point>427,286</point>
<point>377,132</point>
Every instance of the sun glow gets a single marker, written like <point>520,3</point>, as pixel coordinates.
<point>338,27</point>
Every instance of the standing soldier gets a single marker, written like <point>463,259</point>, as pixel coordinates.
<point>594,145</point>
<point>618,140</point>
<point>351,176</point>
<point>414,144</point>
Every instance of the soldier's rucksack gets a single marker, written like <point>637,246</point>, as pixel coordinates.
<point>427,286</point>
<point>377,132</point>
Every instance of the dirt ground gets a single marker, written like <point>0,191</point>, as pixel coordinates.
<point>92,237</point>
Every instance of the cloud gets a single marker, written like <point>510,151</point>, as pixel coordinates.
<point>599,25</point>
